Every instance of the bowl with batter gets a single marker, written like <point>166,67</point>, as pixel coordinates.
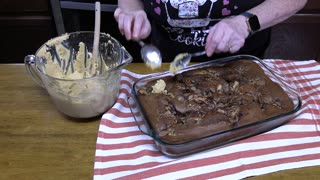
<point>80,85</point>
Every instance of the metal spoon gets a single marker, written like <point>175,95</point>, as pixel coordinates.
<point>151,55</point>
<point>182,60</point>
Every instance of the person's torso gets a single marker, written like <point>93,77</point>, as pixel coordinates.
<point>187,22</point>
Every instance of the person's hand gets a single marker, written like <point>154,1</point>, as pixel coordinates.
<point>228,35</point>
<point>134,25</point>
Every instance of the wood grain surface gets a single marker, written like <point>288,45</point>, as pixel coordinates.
<point>38,142</point>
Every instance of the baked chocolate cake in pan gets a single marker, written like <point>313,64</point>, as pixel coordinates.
<point>210,100</point>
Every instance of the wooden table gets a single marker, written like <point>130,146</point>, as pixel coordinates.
<point>38,142</point>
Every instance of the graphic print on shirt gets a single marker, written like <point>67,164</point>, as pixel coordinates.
<point>188,12</point>
<point>188,21</point>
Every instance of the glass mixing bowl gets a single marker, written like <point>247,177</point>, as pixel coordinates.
<point>79,85</point>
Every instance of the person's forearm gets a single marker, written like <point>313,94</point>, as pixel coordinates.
<point>130,5</point>
<point>272,12</point>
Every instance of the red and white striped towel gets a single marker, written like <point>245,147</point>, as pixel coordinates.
<point>123,152</point>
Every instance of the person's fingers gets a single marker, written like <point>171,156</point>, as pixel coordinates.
<point>225,36</point>
<point>224,45</point>
<point>233,49</point>
<point>236,45</point>
<point>146,30</point>
<point>210,35</point>
<point>133,26</point>
<point>236,42</point>
<point>214,40</point>
<point>141,27</point>
<point>121,23</point>
<point>127,27</point>
<point>116,14</point>
<point>137,26</point>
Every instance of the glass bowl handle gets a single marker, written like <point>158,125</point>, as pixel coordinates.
<point>29,62</point>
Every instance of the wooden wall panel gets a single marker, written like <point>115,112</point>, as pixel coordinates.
<point>298,37</point>
<point>24,27</point>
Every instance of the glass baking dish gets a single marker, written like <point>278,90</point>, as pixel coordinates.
<point>221,138</point>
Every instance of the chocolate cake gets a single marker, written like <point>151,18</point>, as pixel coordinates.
<point>209,100</point>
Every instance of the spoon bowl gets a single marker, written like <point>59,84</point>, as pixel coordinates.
<point>151,55</point>
<point>182,60</point>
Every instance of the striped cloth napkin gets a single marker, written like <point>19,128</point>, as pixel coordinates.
<point>123,152</point>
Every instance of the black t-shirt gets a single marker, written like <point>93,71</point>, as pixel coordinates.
<point>183,25</point>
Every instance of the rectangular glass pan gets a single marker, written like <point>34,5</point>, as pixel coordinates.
<point>221,138</point>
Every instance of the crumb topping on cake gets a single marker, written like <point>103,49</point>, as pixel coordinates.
<point>159,87</point>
